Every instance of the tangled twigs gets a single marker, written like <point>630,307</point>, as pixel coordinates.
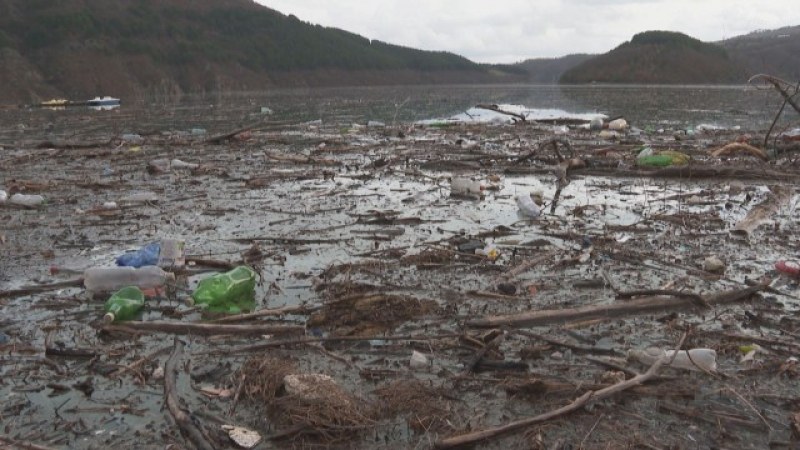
<point>554,142</point>
<point>480,435</point>
<point>183,418</point>
<point>787,90</point>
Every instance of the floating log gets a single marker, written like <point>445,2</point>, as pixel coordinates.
<point>765,210</point>
<point>610,311</point>
<point>204,329</point>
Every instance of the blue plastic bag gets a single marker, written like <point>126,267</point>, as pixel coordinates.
<point>145,256</point>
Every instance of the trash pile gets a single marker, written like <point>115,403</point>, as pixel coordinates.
<point>525,281</point>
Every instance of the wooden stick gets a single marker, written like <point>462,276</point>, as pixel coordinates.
<point>778,84</point>
<point>219,138</point>
<point>268,312</point>
<point>213,263</point>
<point>494,343</point>
<point>583,400</point>
<point>695,298</point>
<point>137,363</point>
<point>205,329</point>
<point>182,417</point>
<point>613,310</point>
<point>690,172</point>
<point>21,444</point>
<point>27,290</point>
<point>576,347</point>
<point>497,109</point>
<point>306,340</point>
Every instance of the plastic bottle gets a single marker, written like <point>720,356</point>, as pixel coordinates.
<point>132,138</point>
<point>700,359</point>
<point>172,253</point>
<point>418,360</point>
<point>618,124</point>
<point>26,200</point>
<point>178,164</point>
<point>490,251</point>
<point>228,292</point>
<point>527,207</point>
<point>465,186</point>
<point>107,279</point>
<point>145,256</point>
<point>124,304</point>
<point>3,196</point>
<point>654,161</point>
<point>790,268</point>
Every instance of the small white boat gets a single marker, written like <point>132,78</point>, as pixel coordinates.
<point>103,101</point>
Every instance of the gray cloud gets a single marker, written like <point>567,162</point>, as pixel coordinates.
<point>514,30</point>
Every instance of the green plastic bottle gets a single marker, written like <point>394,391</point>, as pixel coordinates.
<point>230,292</point>
<point>124,304</point>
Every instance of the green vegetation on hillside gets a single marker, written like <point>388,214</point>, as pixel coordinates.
<point>659,57</point>
<point>775,52</point>
<point>171,32</point>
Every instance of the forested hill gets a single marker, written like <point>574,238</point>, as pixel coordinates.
<point>79,48</point>
<point>660,57</point>
<point>775,52</point>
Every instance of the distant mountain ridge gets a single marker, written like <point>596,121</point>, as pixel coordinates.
<point>659,57</point>
<point>139,48</point>
<point>775,52</point>
<point>77,48</point>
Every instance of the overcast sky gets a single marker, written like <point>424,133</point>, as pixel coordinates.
<point>507,31</point>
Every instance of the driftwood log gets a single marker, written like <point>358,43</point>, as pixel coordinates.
<point>740,147</point>
<point>612,310</point>
<point>690,172</point>
<point>765,210</point>
<point>183,418</point>
<point>204,329</point>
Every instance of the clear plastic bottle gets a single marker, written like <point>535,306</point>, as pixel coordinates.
<point>124,304</point>
<point>229,292</point>
<point>107,279</point>
<point>465,186</point>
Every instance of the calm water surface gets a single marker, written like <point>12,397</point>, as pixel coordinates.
<point>647,107</point>
<point>644,106</point>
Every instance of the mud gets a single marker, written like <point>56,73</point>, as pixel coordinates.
<point>358,225</point>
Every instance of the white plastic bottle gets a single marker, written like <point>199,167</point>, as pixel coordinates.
<point>700,359</point>
<point>106,279</point>
<point>3,196</point>
<point>26,200</point>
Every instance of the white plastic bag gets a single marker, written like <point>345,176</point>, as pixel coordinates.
<point>527,207</point>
